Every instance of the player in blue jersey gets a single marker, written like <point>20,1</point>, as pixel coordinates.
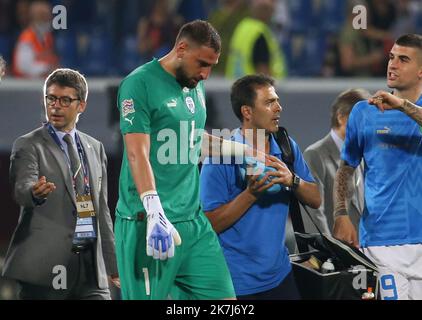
<point>386,131</point>
<point>249,216</point>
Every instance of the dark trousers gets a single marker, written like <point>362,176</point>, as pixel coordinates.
<point>81,282</point>
<point>286,290</point>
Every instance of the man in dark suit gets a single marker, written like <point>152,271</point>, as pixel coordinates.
<point>63,245</point>
<point>323,158</point>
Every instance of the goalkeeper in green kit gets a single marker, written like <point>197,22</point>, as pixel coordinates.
<point>165,246</point>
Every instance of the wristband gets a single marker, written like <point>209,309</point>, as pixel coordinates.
<point>148,193</point>
<point>151,202</point>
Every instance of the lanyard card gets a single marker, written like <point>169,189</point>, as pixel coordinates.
<point>86,218</point>
<point>84,206</point>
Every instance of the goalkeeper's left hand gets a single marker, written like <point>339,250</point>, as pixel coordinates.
<point>161,236</point>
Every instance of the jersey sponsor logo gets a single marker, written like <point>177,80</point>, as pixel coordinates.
<point>127,107</point>
<point>190,104</point>
<point>172,103</point>
<point>386,130</point>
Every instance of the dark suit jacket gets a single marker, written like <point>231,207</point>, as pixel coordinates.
<point>323,158</point>
<point>43,236</point>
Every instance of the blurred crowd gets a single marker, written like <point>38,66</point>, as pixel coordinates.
<point>304,38</point>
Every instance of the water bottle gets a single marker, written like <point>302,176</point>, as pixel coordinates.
<point>260,167</point>
<point>327,266</point>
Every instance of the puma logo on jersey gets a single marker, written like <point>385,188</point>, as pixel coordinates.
<point>129,120</point>
<point>172,103</point>
<point>386,130</point>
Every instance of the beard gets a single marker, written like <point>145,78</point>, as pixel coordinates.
<point>183,79</point>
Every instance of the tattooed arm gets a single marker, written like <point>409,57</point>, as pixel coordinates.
<point>343,227</point>
<point>386,101</point>
<point>412,110</point>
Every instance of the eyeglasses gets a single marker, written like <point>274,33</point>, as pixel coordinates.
<point>64,101</point>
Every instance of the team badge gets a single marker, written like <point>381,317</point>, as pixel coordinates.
<point>127,107</point>
<point>190,104</point>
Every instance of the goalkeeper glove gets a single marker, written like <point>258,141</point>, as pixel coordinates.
<point>161,235</point>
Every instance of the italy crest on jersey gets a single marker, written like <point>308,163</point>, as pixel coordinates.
<point>190,104</point>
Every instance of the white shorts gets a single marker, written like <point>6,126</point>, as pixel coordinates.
<point>399,270</point>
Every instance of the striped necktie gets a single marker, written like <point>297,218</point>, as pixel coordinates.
<point>75,165</point>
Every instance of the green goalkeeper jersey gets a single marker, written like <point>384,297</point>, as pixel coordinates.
<point>151,101</point>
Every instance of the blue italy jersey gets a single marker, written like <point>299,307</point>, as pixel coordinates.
<point>254,246</point>
<point>390,143</point>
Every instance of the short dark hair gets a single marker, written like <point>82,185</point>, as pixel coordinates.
<point>243,91</point>
<point>68,78</point>
<point>202,33</point>
<point>344,103</point>
<point>412,40</point>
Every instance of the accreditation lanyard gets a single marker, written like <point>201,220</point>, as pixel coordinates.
<point>86,218</point>
<point>81,154</point>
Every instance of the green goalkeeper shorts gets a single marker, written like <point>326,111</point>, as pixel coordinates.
<point>198,269</point>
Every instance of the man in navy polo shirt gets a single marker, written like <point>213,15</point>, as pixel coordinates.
<point>249,214</point>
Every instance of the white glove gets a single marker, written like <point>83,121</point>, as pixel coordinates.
<point>162,236</point>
